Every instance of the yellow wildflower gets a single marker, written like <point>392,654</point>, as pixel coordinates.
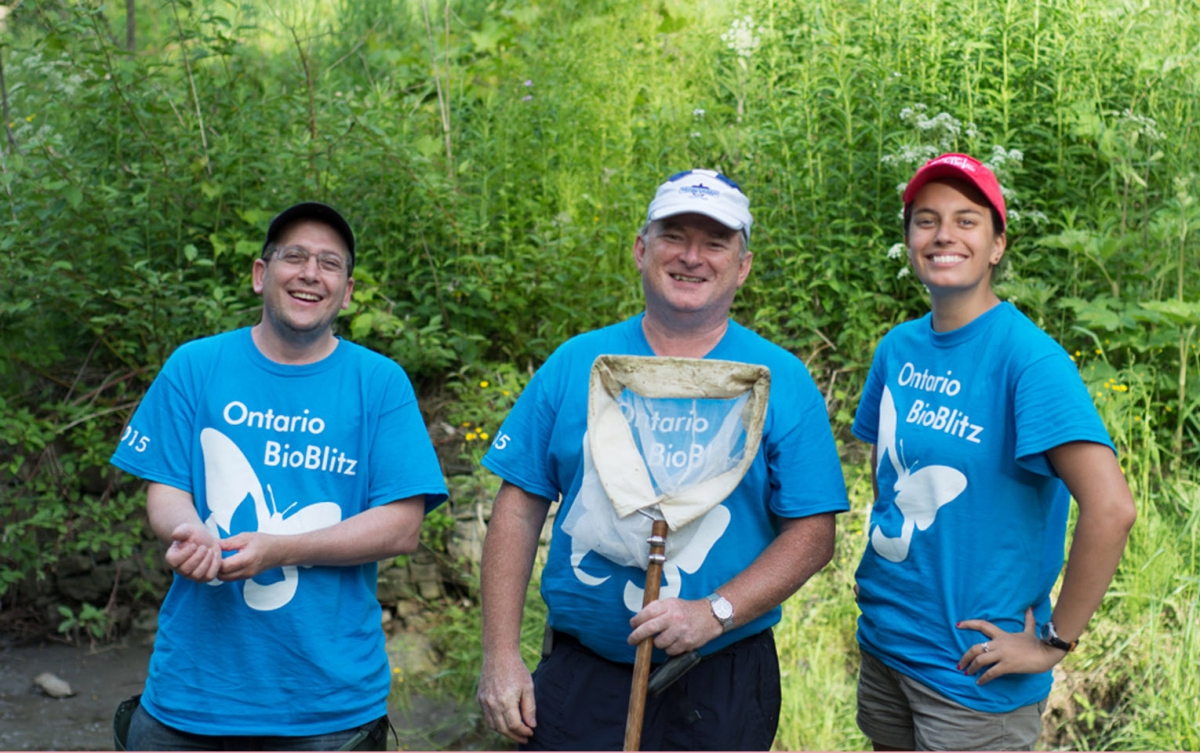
<point>483,384</point>
<point>471,436</point>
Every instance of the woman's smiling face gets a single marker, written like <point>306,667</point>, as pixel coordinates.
<point>952,243</point>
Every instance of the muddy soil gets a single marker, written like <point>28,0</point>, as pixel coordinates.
<point>103,676</point>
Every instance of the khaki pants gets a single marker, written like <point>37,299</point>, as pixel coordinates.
<point>899,712</point>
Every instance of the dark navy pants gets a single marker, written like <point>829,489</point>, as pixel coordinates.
<point>147,733</point>
<point>729,701</point>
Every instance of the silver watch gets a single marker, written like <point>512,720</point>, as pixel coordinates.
<point>722,610</point>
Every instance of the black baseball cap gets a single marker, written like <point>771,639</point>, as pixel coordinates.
<point>311,210</point>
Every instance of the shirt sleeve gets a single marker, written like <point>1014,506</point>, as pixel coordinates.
<point>155,445</point>
<point>803,467</point>
<point>403,461</point>
<point>866,416</point>
<point>520,453</point>
<point>1051,407</point>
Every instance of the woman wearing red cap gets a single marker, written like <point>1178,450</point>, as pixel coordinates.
<point>981,426</point>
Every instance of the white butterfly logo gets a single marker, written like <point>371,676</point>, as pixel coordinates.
<point>919,494</point>
<point>229,477</point>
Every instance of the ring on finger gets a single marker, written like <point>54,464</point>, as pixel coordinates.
<point>986,648</point>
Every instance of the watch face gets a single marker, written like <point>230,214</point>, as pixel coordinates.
<point>722,608</point>
<point>1050,638</point>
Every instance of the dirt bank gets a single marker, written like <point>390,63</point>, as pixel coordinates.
<point>102,677</point>
<point>31,720</point>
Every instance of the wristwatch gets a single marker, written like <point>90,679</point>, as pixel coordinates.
<point>722,610</point>
<point>1050,638</point>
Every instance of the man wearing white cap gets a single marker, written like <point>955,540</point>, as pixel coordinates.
<point>693,256</point>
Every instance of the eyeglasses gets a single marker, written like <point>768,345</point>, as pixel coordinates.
<point>297,256</point>
<point>710,173</point>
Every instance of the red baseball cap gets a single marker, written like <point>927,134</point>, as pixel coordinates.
<point>961,166</point>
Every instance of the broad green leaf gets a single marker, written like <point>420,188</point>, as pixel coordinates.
<point>1179,312</point>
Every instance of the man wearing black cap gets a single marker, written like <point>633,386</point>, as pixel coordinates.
<point>283,464</point>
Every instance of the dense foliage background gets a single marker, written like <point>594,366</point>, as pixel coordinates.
<point>496,158</point>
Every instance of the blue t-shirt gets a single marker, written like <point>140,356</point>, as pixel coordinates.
<point>795,474</point>
<point>263,446</point>
<point>971,517</point>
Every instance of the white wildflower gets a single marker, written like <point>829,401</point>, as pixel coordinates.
<point>896,251</point>
<point>903,273</point>
<point>908,113</point>
<point>1140,124</point>
<point>912,154</point>
<point>698,113</point>
<point>944,127</point>
<point>1001,157</point>
<point>741,37</point>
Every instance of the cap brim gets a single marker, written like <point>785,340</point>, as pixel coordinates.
<point>671,209</point>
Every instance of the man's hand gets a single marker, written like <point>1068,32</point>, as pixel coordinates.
<point>1006,653</point>
<point>256,553</point>
<point>505,685</point>
<point>678,626</point>
<point>194,552</point>
<point>506,697</point>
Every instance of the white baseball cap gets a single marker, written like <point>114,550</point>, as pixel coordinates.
<point>705,192</point>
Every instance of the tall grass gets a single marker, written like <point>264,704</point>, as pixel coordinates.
<point>1143,683</point>
<point>817,648</point>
